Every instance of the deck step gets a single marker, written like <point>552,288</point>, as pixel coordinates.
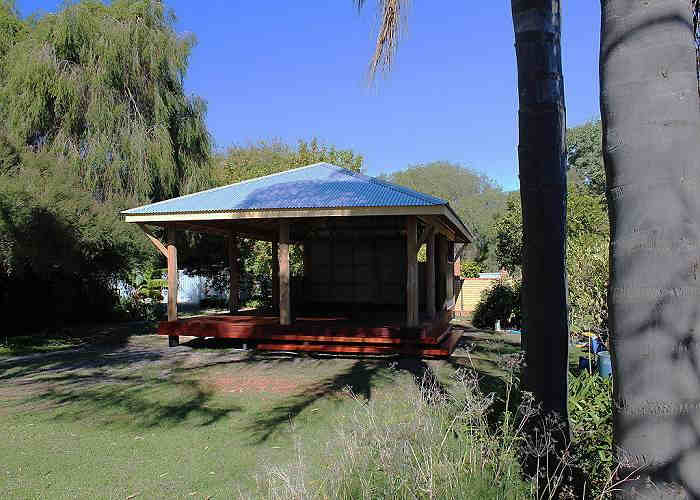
<point>282,337</point>
<point>444,349</point>
<point>415,350</point>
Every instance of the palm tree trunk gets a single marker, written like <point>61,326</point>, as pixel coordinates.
<point>542,163</point>
<point>651,127</point>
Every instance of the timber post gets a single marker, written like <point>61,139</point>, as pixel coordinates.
<point>173,340</point>
<point>443,269</point>
<point>430,276</point>
<point>284,275</point>
<point>412,303</point>
<point>307,268</point>
<point>275,274</point>
<point>234,272</point>
<point>450,273</point>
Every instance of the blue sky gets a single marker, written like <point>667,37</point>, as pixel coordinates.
<point>268,70</point>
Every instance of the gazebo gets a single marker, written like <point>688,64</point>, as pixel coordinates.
<point>363,290</point>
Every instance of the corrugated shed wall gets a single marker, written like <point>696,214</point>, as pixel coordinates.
<point>470,294</point>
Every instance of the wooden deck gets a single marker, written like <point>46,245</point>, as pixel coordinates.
<point>334,334</point>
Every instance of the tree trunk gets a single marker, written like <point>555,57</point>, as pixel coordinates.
<point>651,138</point>
<point>541,155</point>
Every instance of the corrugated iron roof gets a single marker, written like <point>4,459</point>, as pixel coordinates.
<point>320,185</point>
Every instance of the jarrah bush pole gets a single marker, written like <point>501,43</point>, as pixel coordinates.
<point>284,275</point>
<point>651,138</point>
<point>275,274</point>
<point>412,299</point>
<point>173,340</point>
<point>542,163</point>
<point>234,271</point>
<point>430,275</point>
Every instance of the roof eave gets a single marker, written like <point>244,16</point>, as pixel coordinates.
<point>462,233</point>
<point>459,225</point>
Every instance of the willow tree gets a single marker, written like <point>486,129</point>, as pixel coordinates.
<point>102,87</point>
<point>542,163</point>
<point>93,118</point>
<point>651,131</point>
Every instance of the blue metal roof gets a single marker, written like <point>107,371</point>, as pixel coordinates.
<point>320,185</point>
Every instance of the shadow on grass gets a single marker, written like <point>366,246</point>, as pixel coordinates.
<point>106,383</point>
<point>95,357</point>
<point>93,346</point>
<point>110,384</point>
<point>359,379</point>
<point>55,340</point>
<point>133,401</point>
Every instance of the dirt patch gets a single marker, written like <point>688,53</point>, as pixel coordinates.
<point>255,383</point>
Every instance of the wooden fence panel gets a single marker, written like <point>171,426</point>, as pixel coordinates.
<point>469,294</point>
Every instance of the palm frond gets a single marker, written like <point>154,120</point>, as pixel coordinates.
<point>390,22</point>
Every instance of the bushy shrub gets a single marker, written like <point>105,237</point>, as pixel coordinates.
<point>508,229</point>
<point>587,268</point>
<point>61,252</point>
<point>133,308</point>
<point>590,417</point>
<point>471,268</point>
<point>500,302</point>
<point>213,302</point>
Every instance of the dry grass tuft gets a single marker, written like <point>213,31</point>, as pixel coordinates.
<point>434,443</point>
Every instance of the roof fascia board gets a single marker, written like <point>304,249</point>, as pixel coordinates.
<point>461,228</point>
<point>285,213</point>
<point>444,210</point>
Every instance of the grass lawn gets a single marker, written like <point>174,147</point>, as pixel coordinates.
<point>134,419</point>
<point>72,337</point>
<point>123,416</point>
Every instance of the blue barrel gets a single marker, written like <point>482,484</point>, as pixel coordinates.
<point>582,363</point>
<point>604,364</point>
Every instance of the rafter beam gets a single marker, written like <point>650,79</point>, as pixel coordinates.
<point>439,226</point>
<point>155,241</point>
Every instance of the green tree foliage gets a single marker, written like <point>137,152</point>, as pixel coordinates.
<point>62,254</point>
<point>500,302</point>
<point>584,154</point>
<point>475,197</point>
<point>93,119</point>
<point>11,27</point>
<point>470,268</point>
<point>241,163</point>
<point>587,253</point>
<point>508,230</point>
<point>149,283</point>
<point>587,263</point>
<point>102,86</point>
